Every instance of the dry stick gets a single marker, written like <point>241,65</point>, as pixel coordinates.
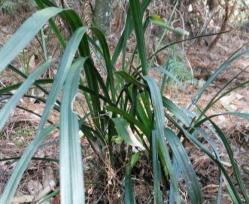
<point>188,39</point>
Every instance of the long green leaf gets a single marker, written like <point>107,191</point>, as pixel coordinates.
<point>218,94</point>
<point>7,89</point>
<point>176,111</point>
<point>203,148</point>
<point>238,114</point>
<point>130,79</point>
<point>192,184</point>
<point>93,77</point>
<point>71,171</point>
<point>236,170</point>
<point>9,107</point>
<point>158,198</point>
<point>41,5</point>
<point>214,148</point>
<point>63,70</point>
<point>94,80</point>
<point>184,40</point>
<point>107,57</point>
<point>129,191</point>
<point>12,87</point>
<point>159,123</point>
<point>19,72</point>
<point>137,19</point>
<point>25,34</point>
<point>21,165</point>
<point>143,111</point>
<point>127,31</point>
<point>219,70</point>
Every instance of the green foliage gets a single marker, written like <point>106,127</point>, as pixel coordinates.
<point>137,112</point>
<point>176,67</point>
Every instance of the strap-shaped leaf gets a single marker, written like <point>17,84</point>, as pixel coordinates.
<point>218,95</point>
<point>10,106</point>
<point>203,148</point>
<point>107,57</point>
<point>219,70</point>
<point>217,155</point>
<point>63,70</point>
<point>143,111</point>
<point>129,190</point>
<point>25,34</point>
<point>21,165</point>
<point>233,162</point>
<point>192,184</point>
<point>176,111</point>
<point>71,171</point>
<point>159,125</point>
<point>238,114</point>
<point>94,79</point>
<point>127,31</point>
<point>137,19</point>
<point>129,78</point>
<point>158,198</point>
<point>20,73</point>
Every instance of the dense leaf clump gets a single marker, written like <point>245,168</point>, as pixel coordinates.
<point>126,103</point>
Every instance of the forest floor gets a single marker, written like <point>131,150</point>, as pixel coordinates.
<point>42,176</point>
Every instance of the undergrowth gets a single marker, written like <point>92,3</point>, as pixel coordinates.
<point>126,104</point>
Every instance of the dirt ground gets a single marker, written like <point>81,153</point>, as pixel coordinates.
<point>42,174</point>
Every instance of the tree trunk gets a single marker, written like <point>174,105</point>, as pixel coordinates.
<point>102,14</point>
